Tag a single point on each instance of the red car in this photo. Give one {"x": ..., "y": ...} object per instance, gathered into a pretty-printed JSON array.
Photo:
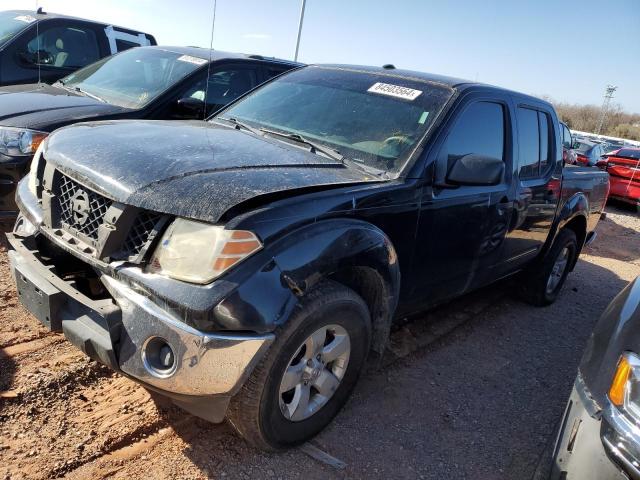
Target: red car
[{"x": 623, "y": 166}]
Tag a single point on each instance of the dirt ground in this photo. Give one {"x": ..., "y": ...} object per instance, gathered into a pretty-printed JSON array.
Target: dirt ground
[{"x": 473, "y": 389}]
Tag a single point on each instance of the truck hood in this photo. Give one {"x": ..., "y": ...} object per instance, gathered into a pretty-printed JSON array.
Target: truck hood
[
  {"x": 190, "y": 169},
  {"x": 43, "y": 107}
]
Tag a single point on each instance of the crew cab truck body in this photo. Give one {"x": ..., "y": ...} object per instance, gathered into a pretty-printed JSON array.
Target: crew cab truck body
[
  {"x": 44, "y": 47},
  {"x": 246, "y": 267}
]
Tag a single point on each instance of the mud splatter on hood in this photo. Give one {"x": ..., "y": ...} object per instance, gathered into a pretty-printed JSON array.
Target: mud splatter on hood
[{"x": 192, "y": 169}]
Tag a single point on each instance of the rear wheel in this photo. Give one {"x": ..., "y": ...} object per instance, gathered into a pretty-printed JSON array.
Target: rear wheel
[
  {"x": 544, "y": 280},
  {"x": 308, "y": 373}
]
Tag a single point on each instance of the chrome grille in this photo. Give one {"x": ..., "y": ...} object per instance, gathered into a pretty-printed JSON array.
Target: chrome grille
[
  {"x": 80, "y": 212},
  {"x": 69, "y": 194}
]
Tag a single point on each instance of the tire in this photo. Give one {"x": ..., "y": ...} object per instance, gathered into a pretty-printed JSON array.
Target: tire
[
  {"x": 259, "y": 411},
  {"x": 537, "y": 288}
]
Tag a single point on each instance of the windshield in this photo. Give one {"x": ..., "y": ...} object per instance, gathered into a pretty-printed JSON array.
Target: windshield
[
  {"x": 135, "y": 77},
  {"x": 369, "y": 118},
  {"x": 12, "y": 23}
]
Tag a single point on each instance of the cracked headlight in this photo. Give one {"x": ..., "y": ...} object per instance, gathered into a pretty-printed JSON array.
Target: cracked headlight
[
  {"x": 199, "y": 252},
  {"x": 20, "y": 141}
]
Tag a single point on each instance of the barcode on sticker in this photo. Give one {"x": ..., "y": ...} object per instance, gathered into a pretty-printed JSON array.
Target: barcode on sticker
[
  {"x": 194, "y": 60},
  {"x": 394, "y": 91}
]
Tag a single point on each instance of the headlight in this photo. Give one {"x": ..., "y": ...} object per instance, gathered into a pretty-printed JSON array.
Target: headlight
[
  {"x": 33, "y": 171},
  {"x": 199, "y": 252},
  {"x": 20, "y": 141},
  {"x": 625, "y": 387}
]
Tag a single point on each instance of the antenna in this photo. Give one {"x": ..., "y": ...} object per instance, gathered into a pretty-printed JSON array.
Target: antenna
[
  {"x": 608, "y": 95},
  {"x": 206, "y": 85},
  {"x": 304, "y": 4},
  {"x": 38, "y": 37}
]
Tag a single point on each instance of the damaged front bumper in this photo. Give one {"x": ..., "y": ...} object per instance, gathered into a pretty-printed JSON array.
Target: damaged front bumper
[{"x": 128, "y": 332}]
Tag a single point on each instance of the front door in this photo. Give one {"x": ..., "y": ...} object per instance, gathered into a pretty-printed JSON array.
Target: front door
[{"x": 461, "y": 229}]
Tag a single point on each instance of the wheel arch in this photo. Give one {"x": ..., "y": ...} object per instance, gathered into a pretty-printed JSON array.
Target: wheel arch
[
  {"x": 573, "y": 216},
  {"x": 353, "y": 253}
]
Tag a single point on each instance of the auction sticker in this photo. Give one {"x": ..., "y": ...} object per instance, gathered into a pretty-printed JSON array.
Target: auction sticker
[
  {"x": 25, "y": 18},
  {"x": 394, "y": 91},
  {"x": 194, "y": 60}
]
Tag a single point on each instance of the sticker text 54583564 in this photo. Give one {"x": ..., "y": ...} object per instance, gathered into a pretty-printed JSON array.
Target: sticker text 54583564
[{"x": 394, "y": 91}]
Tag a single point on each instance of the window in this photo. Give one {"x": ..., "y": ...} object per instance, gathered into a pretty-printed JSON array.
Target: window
[
  {"x": 479, "y": 130},
  {"x": 533, "y": 142},
  {"x": 225, "y": 85},
  {"x": 274, "y": 71},
  {"x": 134, "y": 78},
  {"x": 341, "y": 110},
  {"x": 12, "y": 23},
  {"x": 633, "y": 154},
  {"x": 566, "y": 137},
  {"x": 543, "y": 125},
  {"x": 70, "y": 47},
  {"x": 123, "y": 45}
]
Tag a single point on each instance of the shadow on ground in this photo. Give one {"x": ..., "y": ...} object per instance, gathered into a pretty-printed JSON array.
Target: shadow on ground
[{"x": 472, "y": 389}]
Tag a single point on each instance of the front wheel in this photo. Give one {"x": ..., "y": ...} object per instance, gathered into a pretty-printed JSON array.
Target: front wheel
[
  {"x": 308, "y": 373},
  {"x": 542, "y": 282}
]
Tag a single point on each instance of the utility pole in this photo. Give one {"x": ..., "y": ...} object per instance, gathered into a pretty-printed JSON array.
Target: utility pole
[
  {"x": 608, "y": 95},
  {"x": 304, "y": 4}
]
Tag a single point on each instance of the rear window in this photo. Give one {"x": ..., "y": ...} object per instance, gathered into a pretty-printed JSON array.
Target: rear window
[{"x": 629, "y": 153}]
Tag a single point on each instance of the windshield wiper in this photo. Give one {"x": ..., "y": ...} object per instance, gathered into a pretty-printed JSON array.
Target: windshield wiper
[
  {"x": 95, "y": 97},
  {"x": 238, "y": 125},
  {"x": 314, "y": 146},
  {"x": 367, "y": 168}
]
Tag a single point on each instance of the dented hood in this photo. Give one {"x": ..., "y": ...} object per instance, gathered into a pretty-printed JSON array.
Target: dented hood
[{"x": 191, "y": 169}]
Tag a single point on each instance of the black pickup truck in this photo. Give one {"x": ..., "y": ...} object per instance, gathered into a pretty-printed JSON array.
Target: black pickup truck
[{"x": 247, "y": 266}]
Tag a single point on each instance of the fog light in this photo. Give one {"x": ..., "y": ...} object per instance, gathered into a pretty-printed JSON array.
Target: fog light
[
  {"x": 23, "y": 227},
  {"x": 158, "y": 357}
]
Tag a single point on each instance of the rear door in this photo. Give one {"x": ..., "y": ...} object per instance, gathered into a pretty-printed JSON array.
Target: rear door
[{"x": 537, "y": 180}]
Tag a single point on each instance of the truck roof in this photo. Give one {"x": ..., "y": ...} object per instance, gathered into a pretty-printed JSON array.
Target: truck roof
[
  {"x": 453, "y": 82},
  {"x": 217, "y": 55},
  {"x": 50, "y": 15}
]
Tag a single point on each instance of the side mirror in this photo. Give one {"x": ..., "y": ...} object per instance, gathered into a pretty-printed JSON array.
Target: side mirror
[
  {"x": 189, "y": 107},
  {"x": 475, "y": 169}
]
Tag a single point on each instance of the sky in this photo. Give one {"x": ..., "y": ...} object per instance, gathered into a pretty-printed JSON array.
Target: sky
[{"x": 569, "y": 50}]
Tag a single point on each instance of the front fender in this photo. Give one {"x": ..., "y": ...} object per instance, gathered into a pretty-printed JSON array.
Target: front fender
[
  {"x": 303, "y": 258},
  {"x": 314, "y": 252}
]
